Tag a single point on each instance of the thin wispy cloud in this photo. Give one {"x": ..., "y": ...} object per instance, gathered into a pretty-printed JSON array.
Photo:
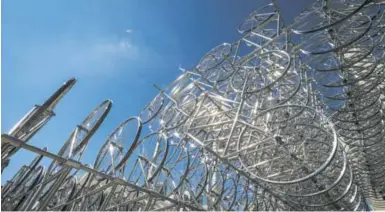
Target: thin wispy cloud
[{"x": 92, "y": 56}]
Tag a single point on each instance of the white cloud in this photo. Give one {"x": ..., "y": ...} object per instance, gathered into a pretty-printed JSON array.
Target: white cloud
[
  {"x": 129, "y": 30},
  {"x": 49, "y": 59},
  {"x": 63, "y": 57},
  {"x": 110, "y": 50}
]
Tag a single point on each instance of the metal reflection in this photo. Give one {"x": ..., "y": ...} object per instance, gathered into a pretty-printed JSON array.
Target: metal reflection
[{"x": 288, "y": 117}]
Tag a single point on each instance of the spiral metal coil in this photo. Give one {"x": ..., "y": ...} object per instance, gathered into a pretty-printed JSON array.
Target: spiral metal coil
[{"x": 285, "y": 118}]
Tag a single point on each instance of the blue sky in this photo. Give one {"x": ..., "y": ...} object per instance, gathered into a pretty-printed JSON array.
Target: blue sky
[{"x": 116, "y": 49}]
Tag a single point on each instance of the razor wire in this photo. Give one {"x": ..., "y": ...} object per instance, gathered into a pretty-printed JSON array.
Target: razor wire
[{"x": 286, "y": 118}]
